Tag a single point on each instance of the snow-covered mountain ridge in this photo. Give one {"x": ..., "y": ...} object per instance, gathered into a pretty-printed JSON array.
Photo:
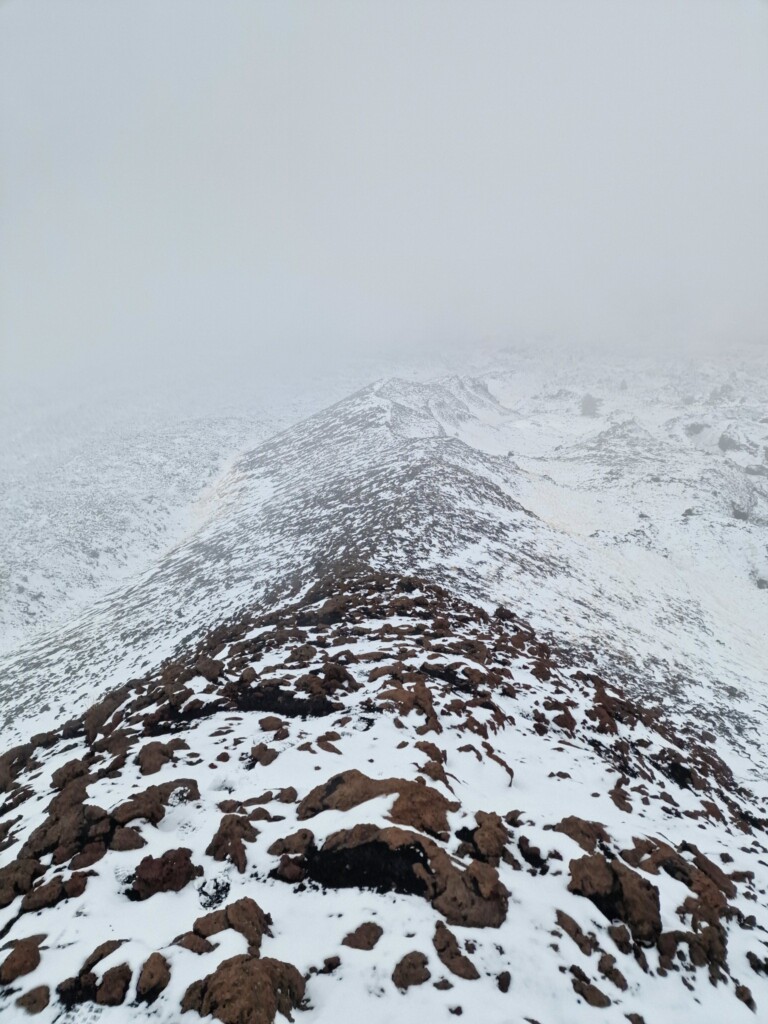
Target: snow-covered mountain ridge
[
  {"x": 637, "y": 535},
  {"x": 380, "y": 801}
]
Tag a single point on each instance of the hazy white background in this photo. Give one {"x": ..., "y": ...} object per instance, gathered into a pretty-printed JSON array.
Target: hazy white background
[{"x": 188, "y": 181}]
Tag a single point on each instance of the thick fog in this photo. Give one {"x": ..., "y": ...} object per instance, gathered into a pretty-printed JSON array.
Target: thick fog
[{"x": 188, "y": 181}]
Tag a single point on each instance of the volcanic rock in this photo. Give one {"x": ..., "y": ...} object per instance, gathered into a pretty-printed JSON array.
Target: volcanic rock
[{"x": 167, "y": 873}]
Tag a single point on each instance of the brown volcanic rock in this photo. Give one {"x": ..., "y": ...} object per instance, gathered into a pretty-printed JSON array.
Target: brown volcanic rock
[
  {"x": 395, "y": 859},
  {"x": 447, "y": 947},
  {"x": 36, "y": 1000},
  {"x": 81, "y": 989},
  {"x": 411, "y": 970},
  {"x": 590, "y": 993},
  {"x": 620, "y": 894},
  {"x": 295, "y": 844},
  {"x": 271, "y": 723},
  {"x": 209, "y": 668},
  {"x": 168, "y": 873},
  {"x": 23, "y": 959},
  {"x": 247, "y": 917},
  {"x": 153, "y": 978},
  {"x": 489, "y": 840},
  {"x": 244, "y": 916},
  {"x": 53, "y": 892},
  {"x": 68, "y": 826},
  {"x": 365, "y": 936},
  {"x": 263, "y": 755},
  {"x": 152, "y": 802},
  {"x": 211, "y": 924},
  {"x": 18, "y": 878},
  {"x": 588, "y": 834},
  {"x": 417, "y": 806},
  {"x": 100, "y": 953},
  {"x": 114, "y": 986},
  {"x": 126, "y": 839},
  {"x": 154, "y": 755},
  {"x": 68, "y": 773},
  {"x": 246, "y": 990},
  {"x": 587, "y": 943},
  {"x": 229, "y": 841}
]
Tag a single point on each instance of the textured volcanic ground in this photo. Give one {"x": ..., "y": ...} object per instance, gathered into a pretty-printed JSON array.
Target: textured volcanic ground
[{"x": 383, "y": 801}]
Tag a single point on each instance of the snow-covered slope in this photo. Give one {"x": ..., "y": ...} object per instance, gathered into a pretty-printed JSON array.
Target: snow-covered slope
[
  {"x": 100, "y": 474},
  {"x": 444, "y": 810},
  {"x": 637, "y": 535},
  {"x": 380, "y": 802}
]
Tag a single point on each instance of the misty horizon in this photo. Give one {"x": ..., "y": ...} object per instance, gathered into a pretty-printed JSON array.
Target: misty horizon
[{"x": 267, "y": 183}]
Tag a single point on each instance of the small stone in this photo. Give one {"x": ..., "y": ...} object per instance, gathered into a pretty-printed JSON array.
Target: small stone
[
  {"x": 365, "y": 936},
  {"x": 412, "y": 970}
]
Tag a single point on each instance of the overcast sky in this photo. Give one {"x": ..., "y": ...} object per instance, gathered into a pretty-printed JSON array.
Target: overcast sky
[{"x": 187, "y": 178}]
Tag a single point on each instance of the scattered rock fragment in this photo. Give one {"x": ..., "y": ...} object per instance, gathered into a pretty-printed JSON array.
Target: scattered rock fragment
[
  {"x": 365, "y": 936},
  {"x": 411, "y": 970},
  {"x": 448, "y": 951}
]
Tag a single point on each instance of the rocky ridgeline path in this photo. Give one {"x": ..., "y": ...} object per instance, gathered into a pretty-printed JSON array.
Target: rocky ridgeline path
[{"x": 379, "y": 801}]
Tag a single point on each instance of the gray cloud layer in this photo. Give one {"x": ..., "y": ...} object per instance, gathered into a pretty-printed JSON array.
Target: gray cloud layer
[{"x": 187, "y": 177}]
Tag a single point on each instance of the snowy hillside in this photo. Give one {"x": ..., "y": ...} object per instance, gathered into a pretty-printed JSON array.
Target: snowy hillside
[
  {"x": 375, "y": 788},
  {"x": 383, "y": 802},
  {"x": 637, "y": 535}
]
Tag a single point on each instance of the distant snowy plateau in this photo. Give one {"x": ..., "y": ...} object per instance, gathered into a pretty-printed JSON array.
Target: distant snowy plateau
[{"x": 463, "y": 680}]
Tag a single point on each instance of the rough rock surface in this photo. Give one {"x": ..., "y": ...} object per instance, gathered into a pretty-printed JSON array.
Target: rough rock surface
[
  {"x": 246, "y": 990},
  {"x": 167, "y": 873}
]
